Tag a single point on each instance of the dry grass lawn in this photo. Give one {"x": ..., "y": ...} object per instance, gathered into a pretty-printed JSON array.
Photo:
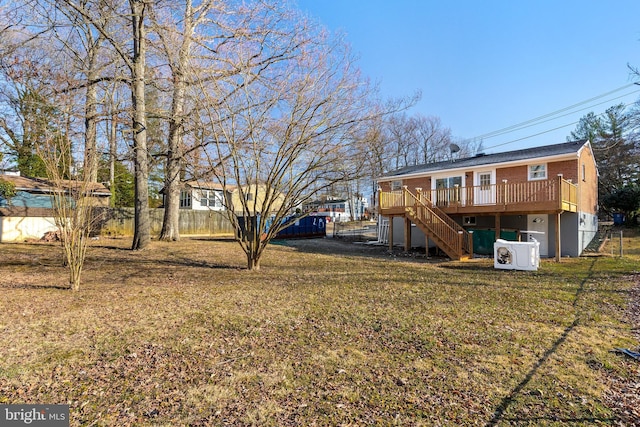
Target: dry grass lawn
[{"x": 327, "y": 333}]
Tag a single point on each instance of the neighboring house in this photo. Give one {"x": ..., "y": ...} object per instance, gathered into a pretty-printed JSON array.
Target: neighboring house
[
  {"x": 255, "y": 197},
  {"x": 549, "y": 193},
  {"x": 199, "y": 195},
  {"x": 338, "y": 210},
  {"x": 29, "y": 214}
]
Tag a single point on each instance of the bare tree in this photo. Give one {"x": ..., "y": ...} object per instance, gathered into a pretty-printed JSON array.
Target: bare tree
[
  {"x": 133, "y": 52},
  {"x": 71, "y": 196},
  {"x": 72, "y": 202},
  {"x": 81, "y": 45},
  {"x": 279, "y": 133},
  {"x": 176, "y": 29},
  {"x": 432, "y": 138},
  {"x": 401, "y": 132},
  {"x": 26, "y": 113}
]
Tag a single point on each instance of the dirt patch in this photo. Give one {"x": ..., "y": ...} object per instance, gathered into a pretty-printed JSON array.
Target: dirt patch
[{"x": 349, "y": 246}]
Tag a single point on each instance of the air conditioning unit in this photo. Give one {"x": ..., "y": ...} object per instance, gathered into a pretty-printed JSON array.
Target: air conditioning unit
[{"x": 508, "y": 255}]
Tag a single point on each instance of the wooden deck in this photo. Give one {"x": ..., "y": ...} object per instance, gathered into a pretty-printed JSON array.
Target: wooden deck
[{"x": 544, "y": 196}]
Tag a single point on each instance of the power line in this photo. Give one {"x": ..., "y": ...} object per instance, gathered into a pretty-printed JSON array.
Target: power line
[
  {"x": 551, "y": 130},
  {"x": 517, "y": 126},
  {"x": 558, "y": 117}
]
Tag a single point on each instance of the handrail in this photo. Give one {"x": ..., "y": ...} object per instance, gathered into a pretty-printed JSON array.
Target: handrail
[
  {"x": 440, "y": 224},
  {"x": 556, "y": 192},
  {"x": 568, "y": 195}
]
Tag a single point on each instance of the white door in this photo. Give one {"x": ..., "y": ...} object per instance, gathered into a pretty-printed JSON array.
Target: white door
[
  {"x": 539, "y": 224},
  {"x": 485, "y": 188}
]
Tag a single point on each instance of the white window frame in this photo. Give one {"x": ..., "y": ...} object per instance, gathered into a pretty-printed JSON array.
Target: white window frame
[
  {"x": 185, "y": 199},
  {"x": 484, "y": 193},
  {"x": 537, "y": 174},
  {"x": 456, "y": 192},
  {"x": 210, "y": 198},
  {"x": 396, "y": 185},
  {"x": 485, "y": 185}
]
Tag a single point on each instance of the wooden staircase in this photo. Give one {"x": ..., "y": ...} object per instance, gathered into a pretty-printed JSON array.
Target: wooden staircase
[{"x": 447, "y": 234}]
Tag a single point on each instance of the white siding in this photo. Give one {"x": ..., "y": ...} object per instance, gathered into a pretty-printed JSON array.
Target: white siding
[{"x": 17, "y": 229}]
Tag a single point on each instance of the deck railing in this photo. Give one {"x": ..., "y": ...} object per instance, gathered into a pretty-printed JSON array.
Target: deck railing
[
  {"x": 438, "y": 223},
  {"x": 548, "y": 194}
]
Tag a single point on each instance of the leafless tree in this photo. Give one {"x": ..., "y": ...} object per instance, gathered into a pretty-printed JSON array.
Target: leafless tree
[
  {"x": 132, "y": 51},
  {"x": 432, "y": 138},
  {"x": 279, "y": 131},
  {"x": 81, "y": 43},
  {"x": 72, "y": 201},
  {"x": 176, "y": 28}
]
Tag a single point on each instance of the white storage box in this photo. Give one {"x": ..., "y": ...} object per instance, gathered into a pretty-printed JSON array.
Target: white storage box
[{"x": 509, "y": 255}]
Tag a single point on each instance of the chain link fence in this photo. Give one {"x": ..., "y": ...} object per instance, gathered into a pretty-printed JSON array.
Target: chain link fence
[{"x": 359, "y": 231}]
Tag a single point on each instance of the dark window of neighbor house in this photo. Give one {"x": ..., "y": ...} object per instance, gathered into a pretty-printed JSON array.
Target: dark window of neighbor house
[
  {"x": 185, "y": 199},
  {"x": 584, "y": 172},
  {"x": 537, "y": 172}
]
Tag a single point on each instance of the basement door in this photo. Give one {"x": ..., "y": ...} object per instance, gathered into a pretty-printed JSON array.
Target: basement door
[{"x": 539, "y": 224}]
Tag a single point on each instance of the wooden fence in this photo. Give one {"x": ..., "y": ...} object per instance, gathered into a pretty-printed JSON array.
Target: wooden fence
[{"x": 119, "y": 222}]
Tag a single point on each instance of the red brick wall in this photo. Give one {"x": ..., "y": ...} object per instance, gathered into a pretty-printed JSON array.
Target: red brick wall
[
  {"x": 568, "y": 169},
  {"x": 512, "y": 174},
  {"x": 413, "y": 183}
]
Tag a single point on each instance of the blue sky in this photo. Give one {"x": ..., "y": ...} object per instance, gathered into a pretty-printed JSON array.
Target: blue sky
[{"x": 483, "y": 66}]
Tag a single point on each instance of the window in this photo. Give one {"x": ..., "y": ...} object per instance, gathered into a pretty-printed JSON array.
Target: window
[
  {"x": 248, "y": 197},
  {"x": 468, "y": 220},
  {"x": 537, "y": 172},
  {"x": 448, "y": 190},
  {"x": 185, "y": 199},
  {"x": 584, "y": 172},
  {"x": 210, "y": 198},
  {"x": 485, "y": 180},
  {"x": 396, "y": 185}
]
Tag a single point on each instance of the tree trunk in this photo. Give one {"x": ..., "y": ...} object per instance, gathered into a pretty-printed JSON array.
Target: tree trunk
[
  {"x": 253, "y": 261},
  {"x": 170, "y": 222},
  {"x": 91, "y": 117},
  {"x": 142, "y": 232},
  {"x": 113, "y": 147}
]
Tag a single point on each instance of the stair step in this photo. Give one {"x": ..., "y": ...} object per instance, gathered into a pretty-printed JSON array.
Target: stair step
[{"x": 444, "y": 245}]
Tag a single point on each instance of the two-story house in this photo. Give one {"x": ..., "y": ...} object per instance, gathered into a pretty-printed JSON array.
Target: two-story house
[{"x": 547, "y": 193}]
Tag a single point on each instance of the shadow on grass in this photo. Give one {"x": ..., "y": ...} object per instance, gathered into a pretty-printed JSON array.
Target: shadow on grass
[
  {"x": 498, "y": 415},
  {"x": 212, "y": 238},
  {"x": 187, "y": 262},
  {"x": 30, "y": 286},
  {"x": 174, "y": 262}
]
